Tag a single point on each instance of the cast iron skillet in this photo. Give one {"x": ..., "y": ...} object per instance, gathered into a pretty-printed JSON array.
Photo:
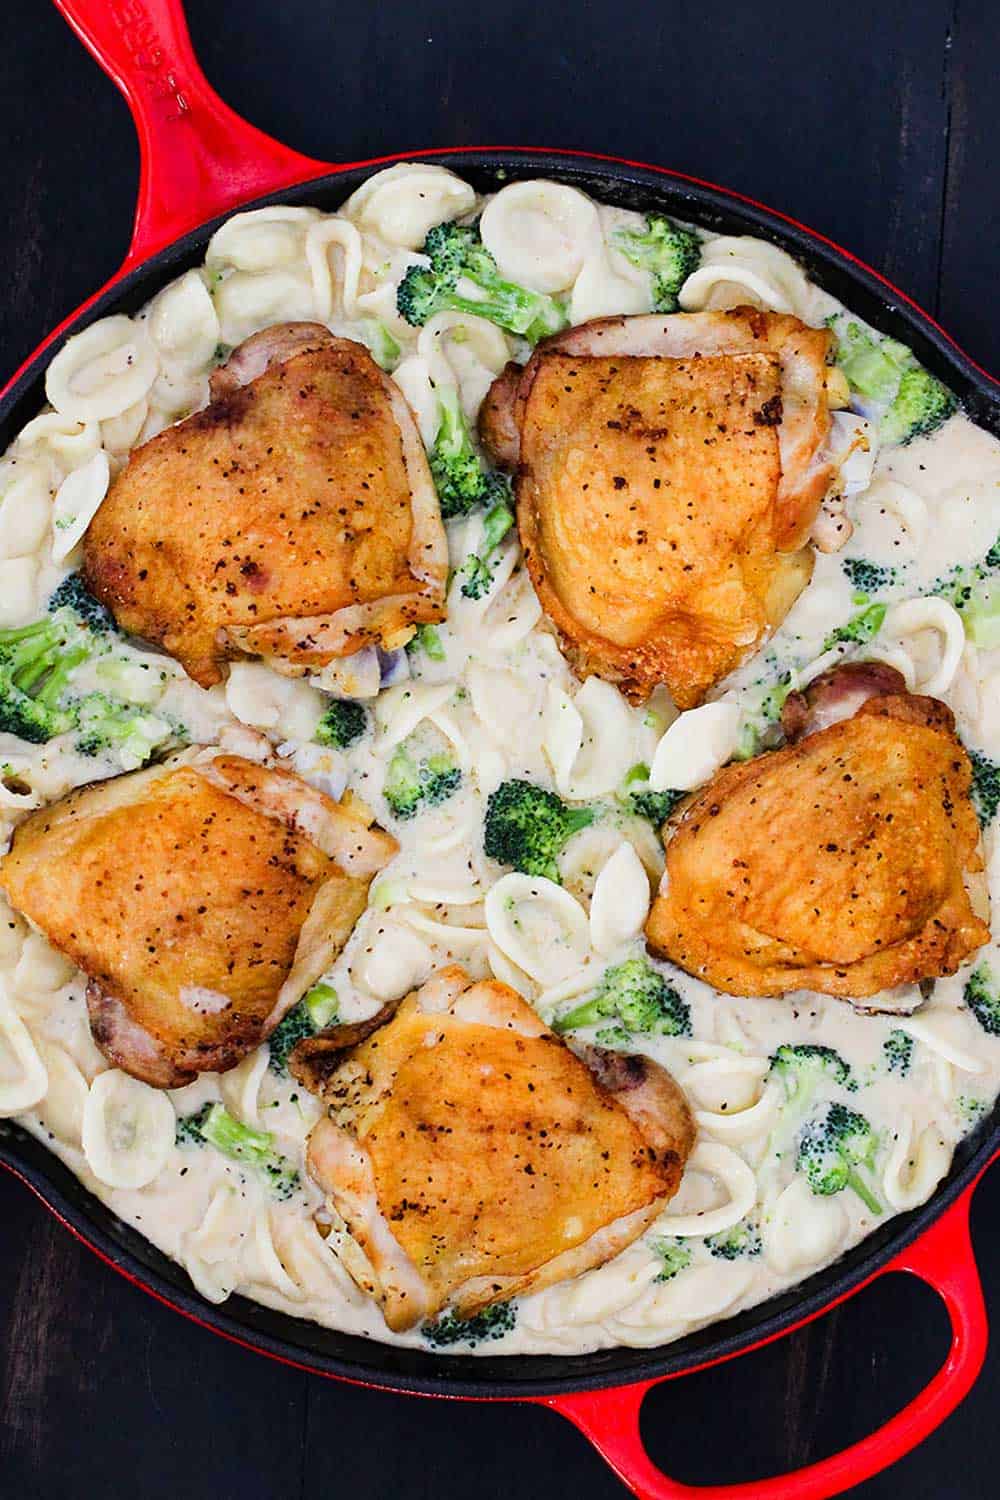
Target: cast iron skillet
[{"x": 200, "y": 161}]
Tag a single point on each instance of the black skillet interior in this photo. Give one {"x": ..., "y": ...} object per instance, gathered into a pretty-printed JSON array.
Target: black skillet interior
[{"x": 360, "y": 1359}]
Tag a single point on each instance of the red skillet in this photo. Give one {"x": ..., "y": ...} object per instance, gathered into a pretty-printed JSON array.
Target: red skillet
[{"x": 199, "y": 162}]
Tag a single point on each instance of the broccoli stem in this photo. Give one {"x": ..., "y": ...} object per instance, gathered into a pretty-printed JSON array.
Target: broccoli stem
[{"x": 864, "y": 1192}]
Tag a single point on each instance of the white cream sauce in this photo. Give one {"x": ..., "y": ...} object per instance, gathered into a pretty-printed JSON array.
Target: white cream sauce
[{"x": 505, "y": 704}]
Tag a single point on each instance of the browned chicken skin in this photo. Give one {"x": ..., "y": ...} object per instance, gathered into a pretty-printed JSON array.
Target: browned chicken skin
[
  {"x": 472, "y": 1156},
  {"x": 668, "y": 474},
  {"x": 201, "y": 898},
  {"x": 293, "y": 518},
  {"x": 837, "y": 864}
]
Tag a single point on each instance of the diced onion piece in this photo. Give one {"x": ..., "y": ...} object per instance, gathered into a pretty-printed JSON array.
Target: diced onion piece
[
  {"x": 128, "y": 1130},
  {"x": 695, "y": 746},
  {"x": 539, "y": 233},
  {"x": 538, "y": 926},
  {"x": 103, "y": 371},
  {"x": 620, "y": 903},
  {"x": 23, "y": 1077},
  {"x": 78, "y": 499}
]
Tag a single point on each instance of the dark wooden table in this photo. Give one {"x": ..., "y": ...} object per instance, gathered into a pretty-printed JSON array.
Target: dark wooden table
[{"x": 876, "y": 124}]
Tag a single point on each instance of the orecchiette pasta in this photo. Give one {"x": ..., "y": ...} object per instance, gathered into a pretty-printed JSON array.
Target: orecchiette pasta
[
  {"x": 23, "y": 1078},
  {"x": 334, "y": 294},
  {"x": 930, "y": 632},
  {"x": 620, "y": 903},
  {"x": 76, "y": 504},
  {"x": 402, "y": 203},
  {"x": 736, "y": 269},
  {"x": 917, "y": 1162},
  {"x": 695, "y": 746},
  {"x": 540, "y": 233},
  {"x": 538, "y": 926},
  {"x": 803, "y": 1229},
  {"x": 128, "y": 1130},
  {"x": 731, "y": 1172},
  {"x": 103, "y": 371}
]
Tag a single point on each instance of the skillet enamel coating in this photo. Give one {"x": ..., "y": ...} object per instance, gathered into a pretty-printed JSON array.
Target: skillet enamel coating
[{"x": 200, "y": 161}]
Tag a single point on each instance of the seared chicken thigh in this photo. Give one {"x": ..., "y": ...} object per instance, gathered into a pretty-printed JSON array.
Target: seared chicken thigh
[
  {"x": 472, "y": 1156},
  {"x": 839, "y": 863},
  {"x": 669, "y": 471},
  {"x": 294, "y": 518},
  {"x": 201, "y": 897}
]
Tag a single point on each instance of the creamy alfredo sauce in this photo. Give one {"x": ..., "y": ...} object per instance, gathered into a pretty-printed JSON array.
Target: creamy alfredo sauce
[{"x": 501, "y": 703}]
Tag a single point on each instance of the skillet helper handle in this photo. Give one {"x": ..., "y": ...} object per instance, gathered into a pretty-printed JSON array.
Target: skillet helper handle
[
  {"x": 944, "y": 1259},
  {"x": 198, "y": 158}
]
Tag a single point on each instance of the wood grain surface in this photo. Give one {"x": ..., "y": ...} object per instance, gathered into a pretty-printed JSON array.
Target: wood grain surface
[{"x": 875, "y": 123}]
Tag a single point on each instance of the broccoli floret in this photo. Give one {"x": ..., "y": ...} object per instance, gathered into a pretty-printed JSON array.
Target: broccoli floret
[
  {"x": 982, "y": 996},
  {"x": 457, "y": 254},
  {"x": 187, "y": 1130},
  {"x": 107, "y": 726},
  {"x": 635, "y": 795},
  {"x": 872, "y": 365},
  {"x": 634, "y": 994},
  {"x": 802, "y": 1066},
  {"x": 985, "y": 786},
  {"x": 73, "y": 594},
  {"x": 526, "y": 827},
  {"x": 974, "y": 590},
  {"x": 314, "y": 1011},
  {"x": 477, "y": 570},
  {"x": 897, "y": 1052},
  {"x": 380, "y": 344},
  {"x": 860, "y": 629},
  {"x": 413, "y": 782},
  {"x": 342, "y": 723},
  {"x": 461, "y": 479},
  {"x": 667, "y": 251},
  {"x": 492, "y": 1323},
  {"x": 832, "y": 1150},
  {"x": 921, "y": 404},
  {"x": 253, "y": 1148},
  {"x": 971, "y": 1109},
  {"x": 36, "y": 663},
  {"x": 742, "y": 1242},
  {"x": 428, "y": 640},
  {"x": 868, "y": 577},
  {"x": 674, "y": 1254}
]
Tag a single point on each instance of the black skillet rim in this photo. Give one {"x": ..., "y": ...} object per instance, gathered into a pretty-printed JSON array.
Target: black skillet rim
[{"x": 366, "y": 1361}]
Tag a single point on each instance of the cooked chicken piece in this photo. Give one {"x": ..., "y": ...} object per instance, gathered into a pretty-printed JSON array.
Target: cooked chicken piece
[
  {"x": 471, "y": 1156},
  {"x": 294, "y": 518},
  {"x": 668, "y": 473},
  {"x": 843, "y": 863},
  {"x": 201, "y": 897}
]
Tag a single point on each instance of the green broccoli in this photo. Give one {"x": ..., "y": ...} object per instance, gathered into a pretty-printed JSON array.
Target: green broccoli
[
  {"x": 74, "y": 594},
  {"x": 343, "y": 723},
  {"x": 428, "y": 640},
  {"x": 972, "y": 1109},
  {"x": 477, "y": 570},
  {"x": 921, "y": 404},
  {"x": 458, "y": 256},
  {"x": 461, "y": 479},
  {"x": 252, "y": 1148},
  {"x": 897, "y": 1052},
  {"x": 974, "y": 590},
  {"x": 860, "y": 629},
  {"x": 982, "y": 997},
  {"x": 636, "y": 796},
  {"x": 131, "y": 733},
  {"x": 666, "y": 250},
  {"x": 526, "y": 827},
  {"x": 414, "y": 781},
  {"x": 380, "y": 343},
  {"x": 636, "y": 996},
  {"x": 802, "y": 1068},
  {"x": 492, "y": 1323},
  {"x": 833, "y": 1148},
  {"x": 873, "y": 365},
  {"x": 316, "y": 1010},
  {"x": 868, "y": 577},
  {"x": 674, "y": 1254},
  {"x": 985, "y": 786},
  {"x": 914, "y": 403},
  {"x": 742, "y": 1242}
]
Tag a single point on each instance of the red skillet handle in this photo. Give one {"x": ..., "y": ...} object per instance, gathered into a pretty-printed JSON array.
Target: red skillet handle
[
  {"x": 942, "y": 1257},
  {"x": 197, "y": 156}
]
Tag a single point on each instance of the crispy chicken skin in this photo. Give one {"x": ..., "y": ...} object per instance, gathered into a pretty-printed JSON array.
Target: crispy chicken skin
[
  {"x": 293, "y": 518},
  {"x": 471, "y": 1156},
  {"x": 836, "y": 864},
  {"x": 201, "y": 899},
  {"x": 668, "y": 474}
]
